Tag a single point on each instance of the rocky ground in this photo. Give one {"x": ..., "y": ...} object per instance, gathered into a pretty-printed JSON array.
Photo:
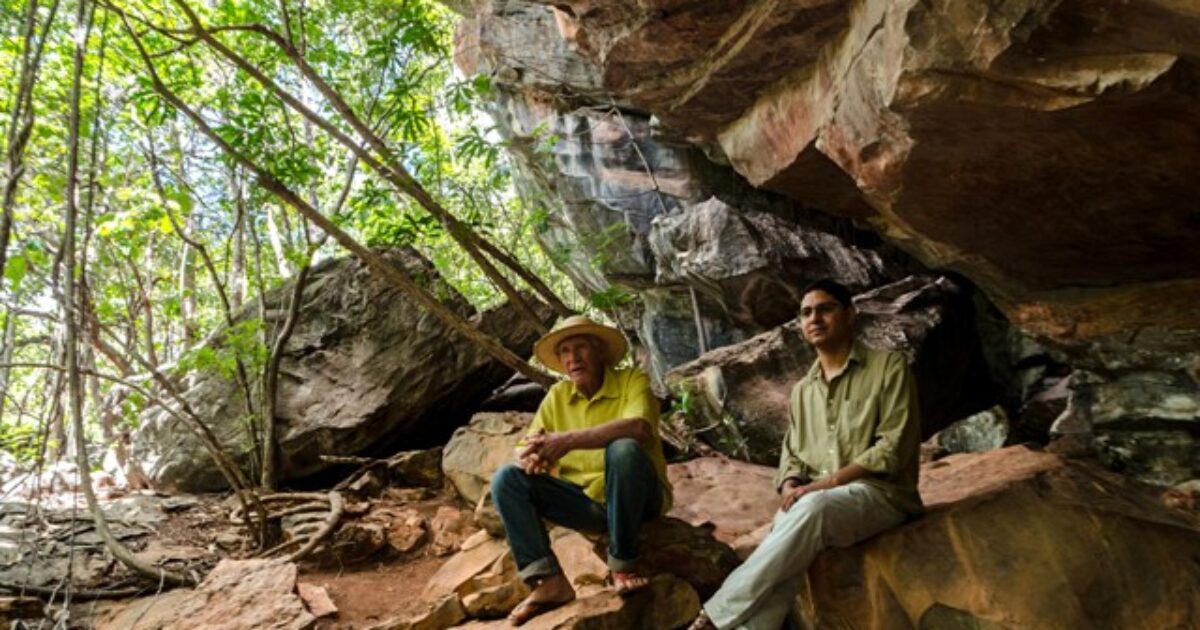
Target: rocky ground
[{"x": 1009, "y": 538}]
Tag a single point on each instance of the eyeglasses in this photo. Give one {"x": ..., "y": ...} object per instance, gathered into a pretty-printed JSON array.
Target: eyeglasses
[{"x": 824, "y": 308}]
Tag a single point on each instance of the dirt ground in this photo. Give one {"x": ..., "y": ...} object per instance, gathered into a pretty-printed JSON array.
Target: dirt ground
[{"x": 369, "y": 594}]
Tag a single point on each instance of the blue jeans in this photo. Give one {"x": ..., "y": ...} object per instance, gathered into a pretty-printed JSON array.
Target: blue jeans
[{"x": 633, "y": 494}]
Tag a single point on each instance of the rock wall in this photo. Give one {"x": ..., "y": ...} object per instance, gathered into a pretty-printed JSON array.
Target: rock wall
[
  {"x": 641, "y": 219},
  {"x": 697, "y": 161}
]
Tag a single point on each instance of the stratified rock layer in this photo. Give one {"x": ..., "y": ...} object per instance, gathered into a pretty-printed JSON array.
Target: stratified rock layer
[
  {"x": 642, "y": 221},
  {"x": 1044, "y": 149},
  {"x": 974, "y": 134},
  {"x": 364, "y": 366},
  {"x": 1017, "y": 539}
]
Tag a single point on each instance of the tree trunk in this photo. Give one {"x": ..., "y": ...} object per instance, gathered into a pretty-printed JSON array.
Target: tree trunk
[
  {"x": 7, "y": 337},
  {"x": 237, "y": 272},
  {"x": 20, "y": 125},
  {"x": 277, "y": 244},
  {"x": 271, "y": 379},
  {"x": 70, "y": 317}
]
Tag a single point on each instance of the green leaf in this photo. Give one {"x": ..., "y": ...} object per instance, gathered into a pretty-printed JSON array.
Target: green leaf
[{"x": 14, "y": 271}]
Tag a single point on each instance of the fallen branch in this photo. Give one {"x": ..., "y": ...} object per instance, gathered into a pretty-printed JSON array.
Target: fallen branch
[
  {"x": 42, "y": 591},
  {"x": 351, "y": 459}
]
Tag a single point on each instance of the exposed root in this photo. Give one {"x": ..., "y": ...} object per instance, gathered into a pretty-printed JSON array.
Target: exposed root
[{"x": 336, "y": 506}]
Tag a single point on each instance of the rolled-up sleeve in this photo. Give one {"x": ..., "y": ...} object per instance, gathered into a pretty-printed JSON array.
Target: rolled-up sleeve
[
  {"x": 898, "y": 430},
  {"x": 790, "y": 464}
]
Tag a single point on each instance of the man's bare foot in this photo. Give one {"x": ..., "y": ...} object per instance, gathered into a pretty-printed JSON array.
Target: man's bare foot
[{"x": 547, "y": 594}]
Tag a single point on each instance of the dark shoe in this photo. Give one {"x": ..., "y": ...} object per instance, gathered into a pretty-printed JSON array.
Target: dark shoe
[{"x": 702, "y": 622}]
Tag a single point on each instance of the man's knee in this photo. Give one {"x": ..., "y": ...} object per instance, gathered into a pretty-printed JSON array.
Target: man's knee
[
  {"x": 623, "y": 453},
  {"x": 810, "y": 512},
  {"x": 507, "y": 479}
]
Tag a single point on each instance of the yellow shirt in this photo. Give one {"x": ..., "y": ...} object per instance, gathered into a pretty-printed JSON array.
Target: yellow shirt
[
  {"x": 625, "y": 394},
  {"x": 866, "y": 415}
]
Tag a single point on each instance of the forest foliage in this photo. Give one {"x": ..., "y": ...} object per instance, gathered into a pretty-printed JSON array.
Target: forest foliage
[{"x": 191, "y": 117}]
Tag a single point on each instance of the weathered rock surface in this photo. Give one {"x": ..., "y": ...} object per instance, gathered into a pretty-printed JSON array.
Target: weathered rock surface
[
  {"x": 1015, "y": 538},
  {"x": 444, "y": 613},
  {"x": 671, "y": 546},
  {"x": 354, "y": 377},
  {"x": 316, "y": 599},
  {"x": 666, "y": 604},
  {"x": 41, "y": 544},
  {"x": 635, "y": 213},
  {"x": 983, "y": 431},
  {"x": 449, "y": 528},
  {"x": 732, "y": 498},
  {"x": 416, "y": 468},
  {"x": 821, "y": 100},
  {"x": 477, "y": 450},
  {"x": 990, "y": 139},
  {"x": 930, "y": 321},
  {"x": 236, "y": 594}
]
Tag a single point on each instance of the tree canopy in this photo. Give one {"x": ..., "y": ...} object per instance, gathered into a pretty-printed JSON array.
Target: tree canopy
[{"x": 215, "y": 146}]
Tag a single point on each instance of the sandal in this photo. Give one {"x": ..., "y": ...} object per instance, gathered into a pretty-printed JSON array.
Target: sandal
[{"x": 626, "y": 582}]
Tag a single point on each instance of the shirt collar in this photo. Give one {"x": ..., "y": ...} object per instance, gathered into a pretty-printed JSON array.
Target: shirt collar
[
  {"x": 607, "y": 390},
  {"x": 857, "y": 357}
]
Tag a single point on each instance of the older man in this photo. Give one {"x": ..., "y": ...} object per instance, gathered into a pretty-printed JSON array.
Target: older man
[
  {"x": 848, "y": 468},
  {"x": 592, "y": 461}
]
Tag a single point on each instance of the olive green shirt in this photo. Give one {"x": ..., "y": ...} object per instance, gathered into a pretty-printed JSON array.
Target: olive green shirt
[
  {"x": 625, "y": 394},
  {"x": 867, "y": 415}
]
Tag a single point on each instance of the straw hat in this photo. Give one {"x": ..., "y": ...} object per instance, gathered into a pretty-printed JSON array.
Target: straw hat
[{"x": 546, "y": 348}]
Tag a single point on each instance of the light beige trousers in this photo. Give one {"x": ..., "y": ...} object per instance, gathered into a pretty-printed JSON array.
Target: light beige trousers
[{"x": 759, "y": 593}]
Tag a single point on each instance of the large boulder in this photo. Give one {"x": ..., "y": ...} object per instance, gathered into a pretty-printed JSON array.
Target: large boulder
[
  {"x": 476, "y": 451},
  {"x": 362, "y": 371},
  {"x": 1016, "y": 538},
  {"x": 730, "y": 497},
  {"x": 1137, "y": 401},
  {"x": 739, "y": 394}
]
